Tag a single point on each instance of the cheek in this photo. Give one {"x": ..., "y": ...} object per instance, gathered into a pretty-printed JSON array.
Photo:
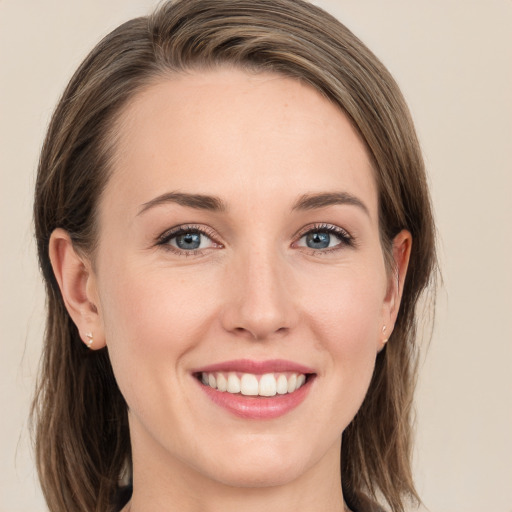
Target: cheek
[
  {"x": 151, "y": 320},
  {"x": 347, "y": 309},
  {"x": 346, "y": 318},
  {"x": 148, "y": 305}
]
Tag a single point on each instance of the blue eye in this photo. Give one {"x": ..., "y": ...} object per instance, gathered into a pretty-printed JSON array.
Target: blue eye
[
  {"x": 318, "y": 240},
  {"x": 186, "y": 239},
  {"x": 191, "y": 240},
  {"x": 325, "y": 237}
]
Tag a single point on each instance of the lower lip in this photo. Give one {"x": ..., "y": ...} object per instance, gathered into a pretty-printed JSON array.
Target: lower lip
[{"x": 256, "y": 407}]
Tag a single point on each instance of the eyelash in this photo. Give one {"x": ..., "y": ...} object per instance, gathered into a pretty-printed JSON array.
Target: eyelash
[
  {"x": 167, "y": 236},
  {"x": 346, "y": 240}
]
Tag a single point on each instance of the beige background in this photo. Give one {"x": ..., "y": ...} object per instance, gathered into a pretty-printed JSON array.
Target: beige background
[{"x": 453, "y": 60}]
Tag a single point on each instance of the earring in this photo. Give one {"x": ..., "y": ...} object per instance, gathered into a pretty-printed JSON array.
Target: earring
[
  {"x": 89, "y": 339},
  {"x": 383, "y": 331}
]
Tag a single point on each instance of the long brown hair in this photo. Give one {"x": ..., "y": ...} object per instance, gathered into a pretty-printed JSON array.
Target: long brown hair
[{"x": 80, "y": 417}]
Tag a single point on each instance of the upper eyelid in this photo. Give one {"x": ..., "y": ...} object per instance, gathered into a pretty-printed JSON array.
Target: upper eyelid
[
  {"x": 346, "y": 239},
  {"x": 322, "y": 226},
  {"x": 204, "y": 230},
  {"x": 164, "y": 240}
]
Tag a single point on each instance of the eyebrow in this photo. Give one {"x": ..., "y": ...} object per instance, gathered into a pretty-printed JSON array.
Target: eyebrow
[
  {"x": 197, "y": 201},
  {"x": 215, "y": 204},
  {"x": 324, "y": 199}
]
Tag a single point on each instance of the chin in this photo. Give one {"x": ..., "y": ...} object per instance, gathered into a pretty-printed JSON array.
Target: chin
[
  {"x": 269, "y": 474},
  {"x": 259, "y": 465}
]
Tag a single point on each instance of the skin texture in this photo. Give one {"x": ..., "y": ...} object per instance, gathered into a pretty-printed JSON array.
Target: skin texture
[{"x": 253, "y": 290}]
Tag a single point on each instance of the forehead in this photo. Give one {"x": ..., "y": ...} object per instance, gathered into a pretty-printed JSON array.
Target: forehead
[{"x": 226, "y": 131}]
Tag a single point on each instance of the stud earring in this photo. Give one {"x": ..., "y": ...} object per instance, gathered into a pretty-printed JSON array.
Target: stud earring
[
  {"x": 383, "y": 331},
  {"x": 89, "y": 339}
]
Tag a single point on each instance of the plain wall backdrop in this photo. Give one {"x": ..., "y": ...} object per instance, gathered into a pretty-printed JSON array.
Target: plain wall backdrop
[{"x": 453, "y": 60}]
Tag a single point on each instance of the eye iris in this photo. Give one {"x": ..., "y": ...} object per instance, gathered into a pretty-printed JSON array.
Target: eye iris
[
  {"x": 188, "y": 241},
  {"x": 318, "y": 240}
]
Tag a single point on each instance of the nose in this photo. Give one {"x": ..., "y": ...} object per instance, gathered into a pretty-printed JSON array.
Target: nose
[{"x": 259, "y": 296}]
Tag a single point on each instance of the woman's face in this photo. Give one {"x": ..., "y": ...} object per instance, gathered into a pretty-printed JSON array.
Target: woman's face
[{"x": 238, "y": 236}]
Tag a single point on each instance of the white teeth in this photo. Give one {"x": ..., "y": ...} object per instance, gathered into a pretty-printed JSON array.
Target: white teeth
[
  {"x": 249, "y": 384},
  {"x": 292, "y": 382},
  {"x": 233, "y": 383},
  {"x": 282, "y": 385},
  {"x": 268, "y": 385},
  {"x": 222, "y": 383}
]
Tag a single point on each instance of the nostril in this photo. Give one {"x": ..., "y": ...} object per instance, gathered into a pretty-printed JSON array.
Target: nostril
[{"x": 259, "y": 332}]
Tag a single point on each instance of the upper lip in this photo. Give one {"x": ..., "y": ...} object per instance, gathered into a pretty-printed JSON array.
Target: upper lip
[{"x": 255, "y": 367}]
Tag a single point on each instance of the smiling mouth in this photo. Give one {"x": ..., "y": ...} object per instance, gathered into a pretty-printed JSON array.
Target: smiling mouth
[
  {"x": 255, "y": 385},
  {"x": 256, "y": 390}
]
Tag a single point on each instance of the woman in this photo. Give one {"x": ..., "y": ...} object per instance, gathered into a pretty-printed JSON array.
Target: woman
[{"x": 234, "y": 227}]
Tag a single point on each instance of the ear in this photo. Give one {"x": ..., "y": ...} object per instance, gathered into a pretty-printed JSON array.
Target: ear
[
  {"x": 77, "y": 284},
  {"x": 401, "y": 250}
]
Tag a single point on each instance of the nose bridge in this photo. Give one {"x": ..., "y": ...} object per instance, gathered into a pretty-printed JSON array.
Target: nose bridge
[{"x": 260, "y": 299}]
